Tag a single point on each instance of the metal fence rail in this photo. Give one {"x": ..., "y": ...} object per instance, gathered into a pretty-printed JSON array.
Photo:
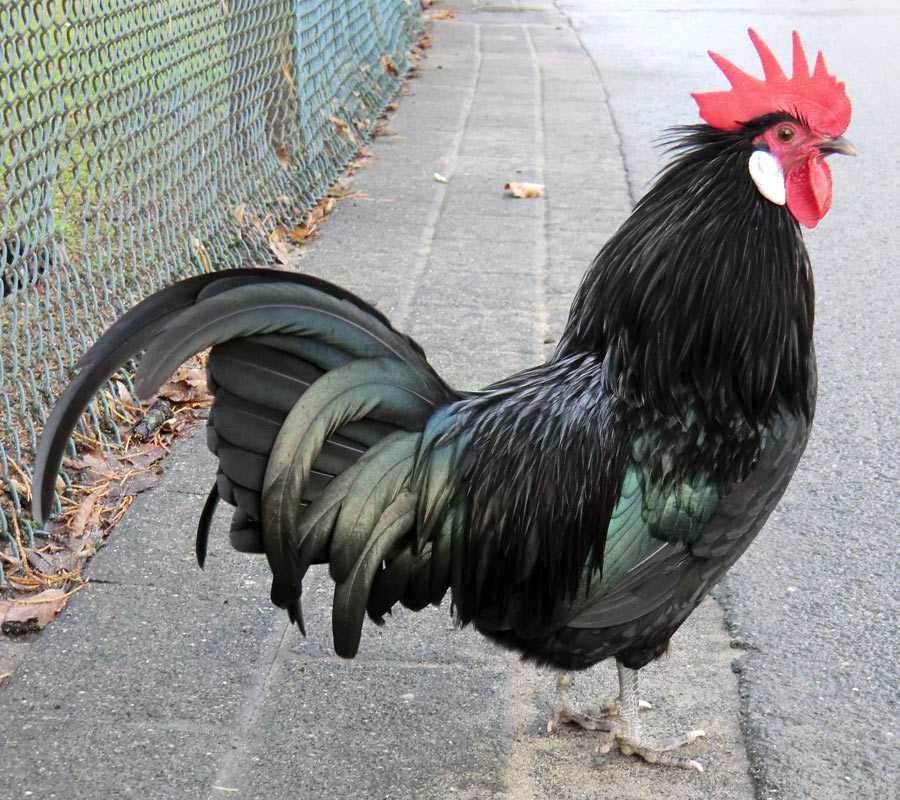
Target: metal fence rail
[{"x": 145, "y": 140}]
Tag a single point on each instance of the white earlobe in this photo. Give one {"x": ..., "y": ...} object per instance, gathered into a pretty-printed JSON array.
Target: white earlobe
[{"x": 767, "y": 176}]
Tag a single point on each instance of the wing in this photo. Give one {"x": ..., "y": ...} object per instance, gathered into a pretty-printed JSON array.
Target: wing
[{"x": 683, "y": 544}]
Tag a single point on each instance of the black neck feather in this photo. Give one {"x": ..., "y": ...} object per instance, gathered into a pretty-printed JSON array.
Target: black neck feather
[{"x": 704, "y": 293}]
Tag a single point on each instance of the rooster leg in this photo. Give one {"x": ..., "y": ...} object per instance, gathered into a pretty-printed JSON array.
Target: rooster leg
[
  {"x": 626, "y": 729},
  {"x": 618, "y": 721},
  {"x": 588, "y": 716}
]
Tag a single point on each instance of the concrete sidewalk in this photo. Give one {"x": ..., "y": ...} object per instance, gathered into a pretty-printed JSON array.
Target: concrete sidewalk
[{"x": 161, "y": 680}]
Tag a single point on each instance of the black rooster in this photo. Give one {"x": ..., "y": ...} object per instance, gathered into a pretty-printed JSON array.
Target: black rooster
[{"x": 579, "y": 510}]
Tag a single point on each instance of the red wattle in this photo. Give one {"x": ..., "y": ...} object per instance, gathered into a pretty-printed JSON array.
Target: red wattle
[{"x": 808, "y": 190}]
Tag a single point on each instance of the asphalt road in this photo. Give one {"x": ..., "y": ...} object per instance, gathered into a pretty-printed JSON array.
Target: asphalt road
[{"x": 816, "y": 600}]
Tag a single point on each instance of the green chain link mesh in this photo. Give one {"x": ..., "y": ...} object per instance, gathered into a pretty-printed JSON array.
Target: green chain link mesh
[{"x": 145, "y": 140}]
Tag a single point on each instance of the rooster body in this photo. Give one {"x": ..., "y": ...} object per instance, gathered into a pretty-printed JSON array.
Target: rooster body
[{"x": 576, "y": 511}]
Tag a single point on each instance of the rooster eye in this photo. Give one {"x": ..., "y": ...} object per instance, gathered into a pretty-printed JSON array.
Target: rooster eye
[{"x": 784, "y": 134}]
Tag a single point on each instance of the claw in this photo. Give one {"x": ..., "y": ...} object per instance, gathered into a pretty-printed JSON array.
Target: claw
[{"x": 618, "y": 721}]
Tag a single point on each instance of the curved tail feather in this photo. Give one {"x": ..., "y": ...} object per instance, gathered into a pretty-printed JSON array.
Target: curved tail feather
[{"x": 329, "y": 427}]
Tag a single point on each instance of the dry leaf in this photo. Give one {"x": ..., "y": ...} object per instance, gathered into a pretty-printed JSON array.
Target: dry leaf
[
  {"x": 279, "y": 248},
  {"x": 86, "y": 549},
  {"x": 122, "y": 393},
  {"x": 284, "y": 158},
  {"x": 38, "y": 562},
  {"x": 141, "y": 481},
  {"x": 182, "y": 390},
  {"x": 29, "y": 616},
  {"x": 308, "y": 227},
  {"x": 296, "y": 235},
  {"x": 344, "y": 128},
  {"x": 85, "y": 510},
  {"x": 284, "y": 49},
  {"x": 201, "y": 251},
  {"x": 238, "y": 212},
  {"x": 389, "y": 67},
  {"x": 100, "y": 465},
  {"x": 196, "y": 376},
  {"x": 443, "y": 13},
  {"x": 315, "y": 216},
  {"x": 144, "y": 457},
  {"x": 525, "y": 189}
]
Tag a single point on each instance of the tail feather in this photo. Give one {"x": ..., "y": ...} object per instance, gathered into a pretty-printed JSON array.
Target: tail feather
[
  {"x": 417, "y": 594},
  {"x": 261, "y": 374},
  {"x": 242, "y": 467},
  {"x": 127, "y": 337},
  {"x": 442, "y": 552},
  {"x": 247, "y": 500},
  {"x": 390, "y": 583},
  {"x": 313, "y": 535},
  {"x": 243, "y": 423},
  {"x": 202, "y": 540},
  {"x": 378, "y": 481},
  {"x": 260, "y": 309},
  {"x": 245, "y": 534},
  {"x": 385, "y": 389},
  {"x": 331, "y": 430},
  {"x": 351, "y": 596}
]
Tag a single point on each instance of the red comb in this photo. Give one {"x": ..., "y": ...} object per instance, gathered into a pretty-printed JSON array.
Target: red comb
[{"x": 819, "y": 98}]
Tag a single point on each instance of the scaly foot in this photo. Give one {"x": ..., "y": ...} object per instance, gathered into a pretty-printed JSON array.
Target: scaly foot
[
  {"x": 586, "y": 715},
  {"x": 617, "y": 722}
]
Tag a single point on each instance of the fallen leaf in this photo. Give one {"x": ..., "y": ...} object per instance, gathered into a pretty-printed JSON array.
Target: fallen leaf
[
  {"x": 525, "y": 189},
  {"x": 343, "y": 128},
  {"x": 145, "y": 456},
  {"x": 196, "y": 376},
  {"x": 389, "y": 67},
  {"x": 87, "y": 548},
  {"x": 443, "y": 13},
  {"x": 297, "y": 234},
  {"x": 238, "y": 212},
  {"x": 140, "y": 482},
  {"x": 284, "y": 158},
  {"x": 315, "y": 216},
  {"x": 38, "y": 562},
  {"x": 284, "y": 49},
  {"x": 182, "y": 390},
  {"x": 101, "y": 466},
  {"x": 85, "y": 510},
  {"x": 201, "y": 251},
  {"x": 31, "y": 615},
  {"x": 279, "y": 248}
]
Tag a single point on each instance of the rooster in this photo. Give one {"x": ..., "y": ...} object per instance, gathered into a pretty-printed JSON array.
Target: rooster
[{"x": 577, "y": 511}]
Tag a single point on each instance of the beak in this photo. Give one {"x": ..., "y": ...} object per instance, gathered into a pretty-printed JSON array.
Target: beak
[{"x": 839, "y": 145}]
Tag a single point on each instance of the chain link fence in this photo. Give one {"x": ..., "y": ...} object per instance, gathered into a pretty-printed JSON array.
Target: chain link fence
[{"x": 142, "y": 141}]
